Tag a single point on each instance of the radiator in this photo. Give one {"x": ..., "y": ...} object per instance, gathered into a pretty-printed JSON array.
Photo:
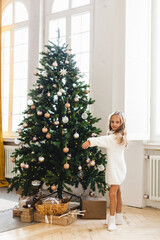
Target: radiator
[
  {"x": 154, "y": 193},
  {"x": 8, "y": 164}
]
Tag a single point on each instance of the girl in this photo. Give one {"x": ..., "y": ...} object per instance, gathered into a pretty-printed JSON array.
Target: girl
[{"x": 115, "y": 142}]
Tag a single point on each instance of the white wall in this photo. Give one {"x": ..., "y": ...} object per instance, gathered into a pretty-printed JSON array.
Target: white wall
[{"x": 107, "y": 88}]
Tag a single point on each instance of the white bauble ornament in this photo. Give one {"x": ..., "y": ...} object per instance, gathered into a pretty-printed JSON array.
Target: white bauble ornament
[
  {"x": 30, "y": 102},
  {"x": 79, "y": 168},
  {"x": 68, "y": 156},
  {"x": 67, "y": 105},
  {"x": 93, "y": 135},
  {"x": 39, "y": 113},
  {"x": 66, "y": 166},
  {"x": 55, "y": 64},
  {"x": 65, "y": 119},
  {"x": 41, "y": 159},
  {"x": 48, "y": 94},
  {"x": 77, "y": 76},
  {"x": 36, "y": 183},
  {"x": 16, "y": 141},
  {"x": 101, "y": 167},
  {"x": 26, "y": 166},
  {"x": 47, "y": 115},
  {"x": 67, "y": 62},
  {"x": 92, "y": 163},
  {"x": 76, "y": 135},
  {"x": 25, "y": 124},
  {"x": 54, "y": 85},
  {"x": 44, "y": 74},
  {"x": 84, "y": 115},
  {"x": 59, "y": 94},
  {"x": 44, "y": 129}
]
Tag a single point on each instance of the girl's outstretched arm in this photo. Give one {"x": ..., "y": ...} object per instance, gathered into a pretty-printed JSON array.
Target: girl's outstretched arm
[{"x": 86, "y": 144}]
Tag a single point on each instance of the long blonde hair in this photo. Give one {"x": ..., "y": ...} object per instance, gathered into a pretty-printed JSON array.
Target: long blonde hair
[{"x": 120, "y": 132}]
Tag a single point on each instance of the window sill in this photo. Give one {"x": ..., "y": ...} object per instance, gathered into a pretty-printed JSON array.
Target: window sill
[{"x": 151, "y": 145}]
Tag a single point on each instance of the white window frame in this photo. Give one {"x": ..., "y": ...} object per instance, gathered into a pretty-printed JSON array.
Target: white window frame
[
  {"x": 11, "y": 28},
  {"x": 68, "y": 14}
]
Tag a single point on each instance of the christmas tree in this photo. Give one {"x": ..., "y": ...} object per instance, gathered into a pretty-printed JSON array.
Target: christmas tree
[{"x": 56, "y": 123}]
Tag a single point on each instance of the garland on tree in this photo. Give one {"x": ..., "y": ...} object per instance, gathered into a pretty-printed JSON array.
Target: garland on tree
[{"x": 56, "y": 123}]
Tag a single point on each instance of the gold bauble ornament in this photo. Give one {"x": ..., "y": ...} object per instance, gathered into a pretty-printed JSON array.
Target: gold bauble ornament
[
  {"x": 67, "y": 105},
  {"x": 63, "y": 132},
  {"x": 44, "y": 129},
  {"x": 65, "y": 149},
  {"x": 33, "y": 107},
  {"x": 48, "y": 135},
  {"x": 47, "y": 115},
  {"x": 66, "y": 166},
  {"x": 92, "y": 163},
  {"x": 39, "y": 113},
  {"x": 13, "y": 159},
  {"x": 53, "y": 187}
]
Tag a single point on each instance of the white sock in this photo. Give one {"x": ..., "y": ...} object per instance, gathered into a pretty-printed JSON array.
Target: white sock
[
  {"x": 111, "y": 223},
  {"x": 119, "y": 219}
]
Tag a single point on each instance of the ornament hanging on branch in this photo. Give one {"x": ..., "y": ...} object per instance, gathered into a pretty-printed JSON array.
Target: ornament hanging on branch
[
  {"x": 66, "y": 166},
  {"x": 41, "y": 159},
  {"x": 47, "y": 115},
  {"x": 76, "y": 135},
  {"x": 44, "y": 129},
  {"x": 55, "y": 64},
  {"x": 39, "y": 113},
  {"x": 65, "y": 119}
]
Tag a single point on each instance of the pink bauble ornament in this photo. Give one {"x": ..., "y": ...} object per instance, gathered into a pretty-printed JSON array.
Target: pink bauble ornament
[
  {"x": 54, "y": 85},
  {"x": 92, "y": 163},
  {"x": 34, "y": 138},
  {"x": 44, "y": 129},
  {"x": 65, "y": 149},
  {"x": 76, "y": 99},
  {"x": 47, "y": 115},
  {"x": 25, "y": 124},
  {"x": 66, "y": 166},
  {"x": 55, "y": 64},
  {"x": 88, "y": 160},
  {"x": 22, "y": 165},
  {"x": 67, "y": 105},
  {"x": 39, "y": 113},
  {"x": 86, "y": 91},
  {"x": 67, "y": 62},
  {"x": 56, "y": 123}
]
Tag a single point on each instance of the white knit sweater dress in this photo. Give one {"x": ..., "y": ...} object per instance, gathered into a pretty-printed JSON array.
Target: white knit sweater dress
[{"x": 116, "y": 167}]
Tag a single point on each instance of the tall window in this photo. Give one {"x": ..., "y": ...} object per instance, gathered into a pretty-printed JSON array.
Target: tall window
[
  {"x": 14, "y": 65},
  {"x": 72, "y": 17}
]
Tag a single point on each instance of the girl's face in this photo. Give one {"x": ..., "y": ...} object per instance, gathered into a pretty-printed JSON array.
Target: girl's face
[{"x": 115, "y": 122}]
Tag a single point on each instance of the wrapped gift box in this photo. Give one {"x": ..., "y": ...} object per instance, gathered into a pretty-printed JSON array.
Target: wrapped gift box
[
  {"x": 27, "y": 218},
  {"x": 17, "y": 212},
  {"x": 96, "y": 207},
  {"x": 66, "y": 220}
]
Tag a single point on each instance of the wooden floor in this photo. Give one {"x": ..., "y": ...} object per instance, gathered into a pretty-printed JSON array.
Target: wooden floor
[{"x": 140, "y": 224}]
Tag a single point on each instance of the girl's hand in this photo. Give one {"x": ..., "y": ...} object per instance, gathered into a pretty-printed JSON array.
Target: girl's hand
[{"x": 86, "y": 145}]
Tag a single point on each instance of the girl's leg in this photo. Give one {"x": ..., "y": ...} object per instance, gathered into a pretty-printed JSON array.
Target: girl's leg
[
  {"x": 119, "y": 201},
  {"x": 119, "y": 216},
  {"x": 113, "y": 199},
  {"x": 113, "y": 204}
]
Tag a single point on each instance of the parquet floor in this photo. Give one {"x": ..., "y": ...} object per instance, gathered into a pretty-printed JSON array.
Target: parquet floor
[{"x": 140, "y": 224}]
